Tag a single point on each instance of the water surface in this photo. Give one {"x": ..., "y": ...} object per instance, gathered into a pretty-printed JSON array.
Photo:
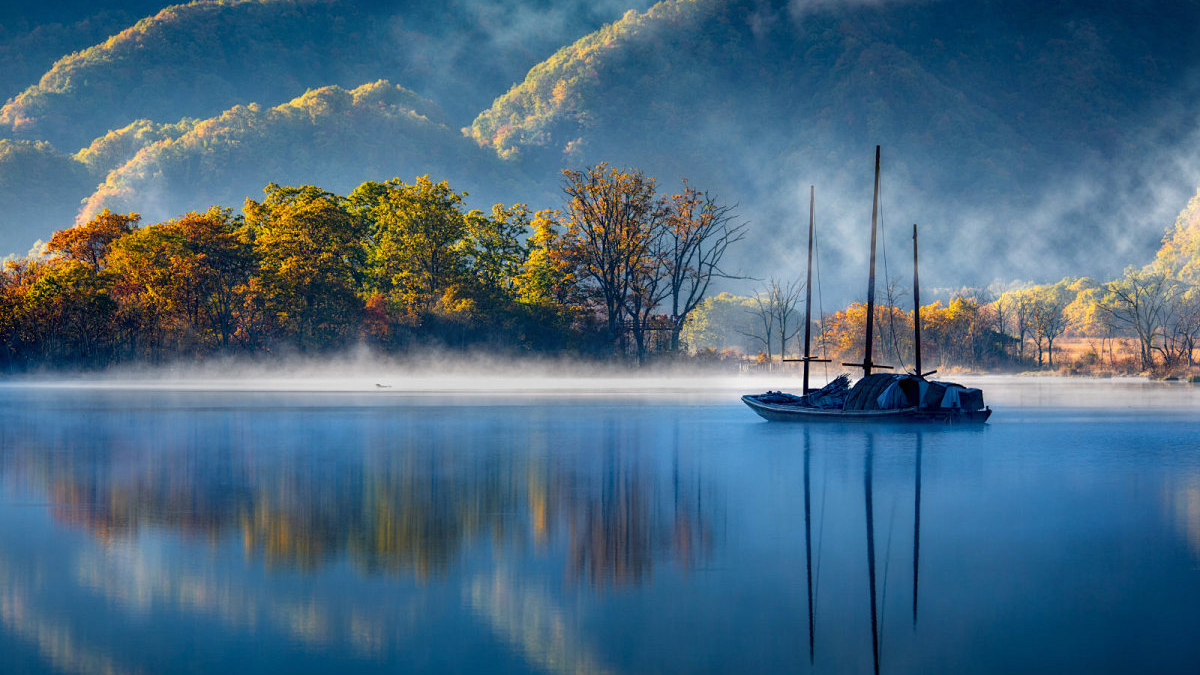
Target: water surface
[{"x": 147, "y": 529}]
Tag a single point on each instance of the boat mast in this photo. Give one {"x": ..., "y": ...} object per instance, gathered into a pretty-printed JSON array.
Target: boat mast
[
  {"x": 812, "y": 196},
  {"x": 807, "y": 358},
  {"x": 866, "y": 364},
  {"x": 916, "y": 307}
]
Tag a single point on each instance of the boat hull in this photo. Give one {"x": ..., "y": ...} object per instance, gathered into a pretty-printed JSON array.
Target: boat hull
[{"x": 792, "y": 413}]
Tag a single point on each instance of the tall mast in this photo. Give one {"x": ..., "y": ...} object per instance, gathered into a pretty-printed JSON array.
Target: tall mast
[
  {"x": 812, "y": 195},
  {"x": 866, "y": 364},
  {"x": 916, "y": 306}
]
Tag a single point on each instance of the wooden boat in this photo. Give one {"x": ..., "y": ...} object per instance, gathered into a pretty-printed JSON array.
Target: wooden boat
[{"x": 876, "y": 397}]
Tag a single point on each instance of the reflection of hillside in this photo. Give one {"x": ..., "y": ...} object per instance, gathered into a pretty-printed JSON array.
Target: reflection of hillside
[
  {"x": 62, "y": 649},
  {"x": 1183, "y": 501},
  {"x": 407, "y": 511},
  {"x": 529, "y": 619}
]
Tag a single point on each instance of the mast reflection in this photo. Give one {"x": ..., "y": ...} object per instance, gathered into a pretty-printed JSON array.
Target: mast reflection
[
  {"x": 808, "y": 544},
  {"x": 868, "y": 480}
]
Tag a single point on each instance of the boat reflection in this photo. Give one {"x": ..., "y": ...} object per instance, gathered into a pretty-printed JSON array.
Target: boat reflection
[{"x": 870, "y": 548}]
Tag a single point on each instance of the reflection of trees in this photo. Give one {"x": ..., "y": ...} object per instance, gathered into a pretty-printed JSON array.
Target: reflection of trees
[
  {"x": 387, "y": 510},
  {"x": 618, "y": 524},
  {"x": 611, "y": 532}
]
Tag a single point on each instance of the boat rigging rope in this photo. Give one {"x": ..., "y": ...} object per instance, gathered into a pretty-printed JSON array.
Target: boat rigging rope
[
  {"x": 820, "y": 301},
  {"x": 887, "y": 280}
]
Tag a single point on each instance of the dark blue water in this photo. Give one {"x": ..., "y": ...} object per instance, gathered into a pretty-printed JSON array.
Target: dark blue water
[{"x": 149, "y": 531}]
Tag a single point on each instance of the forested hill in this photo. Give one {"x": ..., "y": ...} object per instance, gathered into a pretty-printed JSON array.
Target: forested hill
[
  {"x": 1012, "y": 130},
  {"x": 377, "y": 129},
  {"x": 1030, "y": 139},
  {"x": 96, "y": 108},
  {"x": 197, "y": 59}
]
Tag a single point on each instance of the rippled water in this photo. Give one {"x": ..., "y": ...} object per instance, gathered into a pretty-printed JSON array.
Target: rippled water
[{"x": 149, "y": 530}]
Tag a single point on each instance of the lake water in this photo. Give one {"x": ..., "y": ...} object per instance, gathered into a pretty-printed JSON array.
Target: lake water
[{"x": 146, "y": 529}]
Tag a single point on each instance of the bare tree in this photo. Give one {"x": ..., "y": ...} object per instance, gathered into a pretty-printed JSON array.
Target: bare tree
[
  {"x": 764, "y": 316},
  {"x": 698, "y": 232},
  {"x": 1049, "y": 320},
  {"x": 1140, "y": 301},
  {"x": 775, "y": 314},
  {"x": 1182, "y": 328},
  {"x": 649, "y": 286},
  {"x": 786, "y": 297},
  {"x": 1023, "y": 311},
  {"x": 896, "y": 338}
]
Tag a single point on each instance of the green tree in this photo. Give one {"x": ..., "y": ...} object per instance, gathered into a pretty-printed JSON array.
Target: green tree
[
  {"x": 493, "y": 248},
  {"x": 311, "y": 255},
  {"x": 416, "y": 232}
]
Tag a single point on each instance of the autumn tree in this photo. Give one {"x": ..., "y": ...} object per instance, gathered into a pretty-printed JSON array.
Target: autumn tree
[
  {"x": 89, "y": 243},
  {"x": 1049, "y": 317},
  {"x": 195, "y": 268},
  {"x": 70, "y": 310},
  {"x": 614, "y": 222},
  {"x": 547, "y": 277},
  {"x": 493, "y": 249}
]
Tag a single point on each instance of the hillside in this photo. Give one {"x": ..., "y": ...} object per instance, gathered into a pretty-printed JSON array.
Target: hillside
[
  {"x": 1012, "y": 131},
  {"x": 40, "y": 189},
  {"x": 197, "y": 59},
  {"x": 29, "y": 50},
  {"x": 1180, "y": 252},
  {"x": 329, "y": 137},
  {"x": 191, "y": 60}
]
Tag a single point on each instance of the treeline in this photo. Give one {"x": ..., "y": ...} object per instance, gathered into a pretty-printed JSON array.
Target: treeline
[
  {"x": 1145, "y": 321},
  {"x": 1148, "y": 320},
  {"x": 392, "y": 264}
]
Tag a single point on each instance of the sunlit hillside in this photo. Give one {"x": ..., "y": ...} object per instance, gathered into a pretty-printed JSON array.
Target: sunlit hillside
[
  {"x": 1010, "y": 130},
  {"x": 329, "y": 136}
]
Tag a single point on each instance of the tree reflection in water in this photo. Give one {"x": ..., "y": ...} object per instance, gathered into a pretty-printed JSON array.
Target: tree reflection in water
[{"x": 387, "y": 505}]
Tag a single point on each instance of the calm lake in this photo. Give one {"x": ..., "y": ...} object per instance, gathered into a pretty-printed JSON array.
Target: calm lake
[{"x": 161, "y": 530}]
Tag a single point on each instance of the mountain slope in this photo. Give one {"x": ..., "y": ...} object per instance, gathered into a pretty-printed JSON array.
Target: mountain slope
[
  {"x": 1013, "y": 130},
  {"x": 197, "y": 59},
  {"x": 330, "y": 137},
  {"x": 40, "y": 189}
]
